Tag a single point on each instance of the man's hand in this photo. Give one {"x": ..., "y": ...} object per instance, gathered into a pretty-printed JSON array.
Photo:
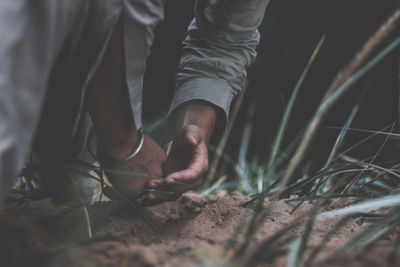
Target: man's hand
[
  {"x": 146, "y": 165},
  {"x": 110, "y": 108},
  {"x": 188, "y": 159},
  {"x": 184, "y": 169}
]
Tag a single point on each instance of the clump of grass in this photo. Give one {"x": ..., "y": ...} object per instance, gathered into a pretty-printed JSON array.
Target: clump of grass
[
  {"x": 259, "y": 214},
  {"x": 338, "y": 179}
]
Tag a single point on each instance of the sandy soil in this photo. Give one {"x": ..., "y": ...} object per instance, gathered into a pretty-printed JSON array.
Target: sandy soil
[{"x": 35, "y": 232}]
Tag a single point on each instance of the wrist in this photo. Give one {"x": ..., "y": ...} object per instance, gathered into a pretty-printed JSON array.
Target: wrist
[
  {"x": 120, "y": 145},
  {"x": 198, "y": 114}
]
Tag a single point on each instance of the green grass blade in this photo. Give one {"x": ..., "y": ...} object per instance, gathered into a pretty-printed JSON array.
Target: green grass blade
[
  {"x": 214, "y": 187},
  {"x": 365, "y": 131},
  {"x": 372, "y": 238},
  {"x": 294, "y": 251},
  {"x": 374, "y": 166},
  {"x": 282, "y": 128},
  {"x": 362, "y": 207},
  {"x": 344, "y": 130},
  {"x": 284, "y": 235}
]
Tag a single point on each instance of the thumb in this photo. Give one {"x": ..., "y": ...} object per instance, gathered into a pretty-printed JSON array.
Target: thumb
[{"x": 192, "y": 139}]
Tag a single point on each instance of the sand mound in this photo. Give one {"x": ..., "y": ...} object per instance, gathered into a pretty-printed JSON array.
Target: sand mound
[{"x": 35, "y": 232}]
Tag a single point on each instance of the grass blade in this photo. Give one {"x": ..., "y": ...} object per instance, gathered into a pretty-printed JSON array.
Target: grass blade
[
  {"x": 294, "y": 252},
  {"x": 362, "y": 207},
  {"x": 366, "y": 131},
  {"x": 282, "y": 128},
  {"x": 344, "y": 130}
]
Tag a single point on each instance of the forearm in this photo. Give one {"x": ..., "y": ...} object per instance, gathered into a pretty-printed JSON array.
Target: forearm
[
  {"x": 109, "y": 103},
  {"x": 220, "y": 46}
]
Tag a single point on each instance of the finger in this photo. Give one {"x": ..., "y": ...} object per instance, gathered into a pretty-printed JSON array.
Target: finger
[
  {"x": 162, "y": 185},
  {"x": 187, "y": 176},
  {"x": 154, "y": 183},
  {"x": 192, "y": 139},
  {"x": 181, "y": 187},
  {"x": 159, "y": 184},
  {"x": 171, "y": 185}
]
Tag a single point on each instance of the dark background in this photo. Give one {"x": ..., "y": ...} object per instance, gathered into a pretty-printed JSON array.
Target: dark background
[{"x": 289, "y": 34}]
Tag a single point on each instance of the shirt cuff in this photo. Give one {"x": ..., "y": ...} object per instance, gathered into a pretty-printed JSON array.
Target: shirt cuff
[{"x": 214, "y": 91}]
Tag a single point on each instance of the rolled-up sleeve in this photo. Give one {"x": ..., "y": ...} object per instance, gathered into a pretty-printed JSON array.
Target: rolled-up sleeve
[{"x": 220, "y": 46}]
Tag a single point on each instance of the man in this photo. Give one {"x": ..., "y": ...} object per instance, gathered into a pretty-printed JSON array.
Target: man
[{"x": 68, "y": 64}]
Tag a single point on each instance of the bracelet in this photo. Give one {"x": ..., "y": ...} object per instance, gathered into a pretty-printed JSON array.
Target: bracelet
[{"x": 110, "y": 161}]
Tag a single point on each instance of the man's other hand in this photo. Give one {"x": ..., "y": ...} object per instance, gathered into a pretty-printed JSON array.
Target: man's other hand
[
  {"x": 184, "y": 169},
  {"x": 146, "y": 165},
  {"x": 188, "y": 160}
]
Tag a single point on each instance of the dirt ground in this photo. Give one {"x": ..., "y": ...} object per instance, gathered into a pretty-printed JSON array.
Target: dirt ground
[{"x": 194, "y": 230}]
